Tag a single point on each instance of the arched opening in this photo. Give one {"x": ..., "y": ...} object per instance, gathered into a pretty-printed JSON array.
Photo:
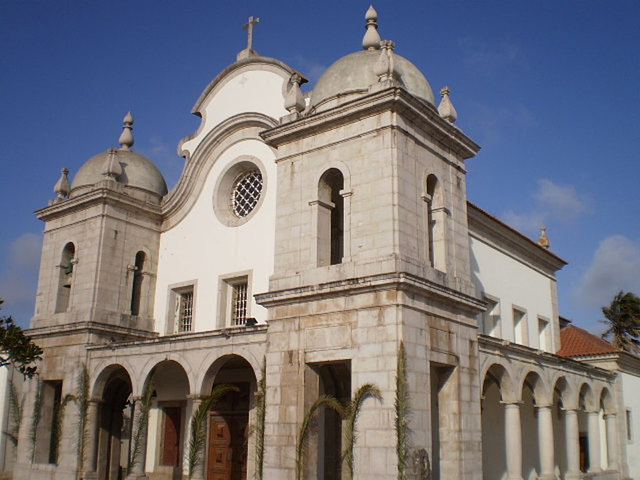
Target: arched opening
[
  {"x": 494, "y": 462},
  {"x": 167, "y": 420},
  {"x": 330, "y": 222},
  {"x": 559, "y": 427},
  {"x": 229, "y": 420},
  {"x": 114, "y": 424},
  {"x": 435, "y": 224},
  {"x": 531, "y": 454},
  {"x": 586, "y": 434},
  {"x": 65, "y": 277},
  {"x": 608, "y": 431},
  {"x": 136, "y": 288}
]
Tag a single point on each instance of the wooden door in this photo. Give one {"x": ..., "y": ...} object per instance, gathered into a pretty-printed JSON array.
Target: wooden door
[
  {"x": 219, "y": 465},
  {"x": 171, "y": 443},
  {"x": 227, "y": 453}
]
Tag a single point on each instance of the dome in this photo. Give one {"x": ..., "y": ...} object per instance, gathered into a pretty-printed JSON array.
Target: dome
[
  {"x": 137, "y": 171},
  {"x": 126, "y": 167},
  {"x": 353, "y": 74}
]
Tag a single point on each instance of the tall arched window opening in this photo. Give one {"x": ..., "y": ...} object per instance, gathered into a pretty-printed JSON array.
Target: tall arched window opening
[
  {"x": 435, "y": 224},
  {"x": 136, "y": 289},
  {"x": 65, "y": 277},
  {"x": 330, "y": 218}
]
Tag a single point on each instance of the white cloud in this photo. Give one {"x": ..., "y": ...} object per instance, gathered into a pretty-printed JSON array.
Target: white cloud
[
  {"x": 487, "y": 58},
  {"x": 309, "y": 68},
  {"x": 18, "y": 280},
  {"x": 552, "y": 202},
  {"x": 615, "y": 266}
]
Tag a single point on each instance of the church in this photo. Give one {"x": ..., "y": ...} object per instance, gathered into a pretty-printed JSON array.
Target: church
[{"x": 318, "y": 247}]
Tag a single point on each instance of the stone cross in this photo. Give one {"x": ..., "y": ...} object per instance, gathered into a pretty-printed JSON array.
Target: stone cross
[{"x": 249, "y": 26}]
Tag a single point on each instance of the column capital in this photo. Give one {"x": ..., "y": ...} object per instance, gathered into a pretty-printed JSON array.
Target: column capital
[
  {"x": 610, "y": 415},
  {"x": 513, "y": 403},
  {"x": 543, "y": 405}
]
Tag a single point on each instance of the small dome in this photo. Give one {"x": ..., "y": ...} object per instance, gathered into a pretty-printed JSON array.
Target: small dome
[
  {"x": 137, "y": 171},
  {"x": 352, "y": 75}
]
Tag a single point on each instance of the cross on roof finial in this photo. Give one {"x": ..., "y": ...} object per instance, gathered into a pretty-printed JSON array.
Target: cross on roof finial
[{"x": 249, "y": 26}]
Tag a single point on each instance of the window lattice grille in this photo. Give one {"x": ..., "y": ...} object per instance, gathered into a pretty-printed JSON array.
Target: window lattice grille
[
  {"x": 239, "y": 304},
  {"x": 246, "y": 193},
  {"x": 185, "y": 312}
]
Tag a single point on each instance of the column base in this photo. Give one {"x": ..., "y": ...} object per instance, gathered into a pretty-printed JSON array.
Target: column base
[
  {"x": 547, "y": 476},
  {"x": 573, "y": 476},
  {"x": 137, "y": 476}
]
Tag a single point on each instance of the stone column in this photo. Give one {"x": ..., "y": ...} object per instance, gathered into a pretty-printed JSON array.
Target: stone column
[
  {"x": 137, "y": 471},
  {"x": 572, "y": 444},
  {"x": 545, "y": 442},
  {"x": 612, "y": 444},
  {"x": 91, "y": 441},
  {"x": 594, "y": 442},
  {"x": 513, "y": 440}
]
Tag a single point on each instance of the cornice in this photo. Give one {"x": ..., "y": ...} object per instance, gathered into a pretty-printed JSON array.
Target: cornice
[
  {"x": 393, "y": 99},
  {"x": 96, "y": 197},
  {"x": 509, "y": 241},
  {"x": 89, "y": 328},
  {"x": 387, "y": 281}
]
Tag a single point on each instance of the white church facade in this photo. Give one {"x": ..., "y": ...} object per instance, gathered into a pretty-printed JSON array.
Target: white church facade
[{"x": 315, "y": 243}]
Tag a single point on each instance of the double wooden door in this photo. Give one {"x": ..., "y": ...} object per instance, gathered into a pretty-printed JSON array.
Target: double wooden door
[{"x": 227, "y": 451}]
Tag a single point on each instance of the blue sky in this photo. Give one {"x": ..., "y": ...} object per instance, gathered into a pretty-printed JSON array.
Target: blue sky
[{"x": 549, "y": 89}]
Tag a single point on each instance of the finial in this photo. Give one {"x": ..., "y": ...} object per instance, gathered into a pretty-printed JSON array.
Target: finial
[
  {"x": 62, "y": 187},
  {"x": 294, "y": 100},
  {"x": 126, "y": 137},
  {"x": 371, "y": 40},
  {"x": 385, "y": 66},
  {"x": 446, "y": 108},
  {"x": 544, "y": 240},
  {"x": 111, "y": 167}
]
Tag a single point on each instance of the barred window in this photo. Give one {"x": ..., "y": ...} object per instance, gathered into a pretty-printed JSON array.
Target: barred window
[
  {"x": 246, "y": 193},
  {"x": 185, "y": 311},
  {"x": 239, "y": 304}
]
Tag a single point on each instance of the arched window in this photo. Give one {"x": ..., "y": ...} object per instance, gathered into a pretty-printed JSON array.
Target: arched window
[
  {"x": 330, "y": 218},
  {"x": 136, "y": 289},
  {"x": 65, "y": 278},
  {"x": 435, "y": 224}
]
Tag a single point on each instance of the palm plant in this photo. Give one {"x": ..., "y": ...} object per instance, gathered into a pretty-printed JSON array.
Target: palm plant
[
  {"x": 15, "y": 414},
  {"x": 142, "y": 420},
  {"x": 402, "y": 413},
  {"x": 368, "y": 390},
  {"x": 622, "y": 318},
  {"x": 261, "y": 409},
  {"x": 328, "y": 401},
  {"x": 198, "y": 427}
]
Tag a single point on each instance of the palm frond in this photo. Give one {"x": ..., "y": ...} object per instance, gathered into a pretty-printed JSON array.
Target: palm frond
[
  {"x": 368, "y": 390},
  {"x": 622, "y": 317},
  {"x": 35, "y": 418},
  {"x": 82, "y": 395},
  {"x": 198, "y": 437},
  {"x": 15, "y": 414},
  {"x": 402, "y": 408},
  {"x": 142, "y": 421},
  {"x": 328, "y": 401},
  {"x": 261, "y": 409}
]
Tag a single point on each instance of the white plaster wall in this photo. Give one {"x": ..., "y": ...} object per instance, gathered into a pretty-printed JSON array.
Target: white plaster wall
[
  {"x": 631, "y": 401},
  {"x": 246, "y": 91},
  {"x": 4, "y": 412},
  {"x": 515, "y": 285},
  {"x": 201, "y": 249}
]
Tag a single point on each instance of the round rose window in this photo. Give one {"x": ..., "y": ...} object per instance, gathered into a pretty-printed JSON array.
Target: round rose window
[{"x": 246, "y": 193}]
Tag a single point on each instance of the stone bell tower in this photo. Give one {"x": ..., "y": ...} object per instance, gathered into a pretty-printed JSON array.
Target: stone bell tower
[{"x": 372, "y": 252}]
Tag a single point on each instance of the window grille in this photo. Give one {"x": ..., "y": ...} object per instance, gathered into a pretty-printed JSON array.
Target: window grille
[
  {"x": 246, "y": 193},
  {"x": 185, "y": 311},
  {"x": 239, "y": 304}
]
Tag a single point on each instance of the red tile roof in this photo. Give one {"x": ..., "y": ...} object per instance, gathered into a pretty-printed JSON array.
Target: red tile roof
[{"x": 576, "y": 342}]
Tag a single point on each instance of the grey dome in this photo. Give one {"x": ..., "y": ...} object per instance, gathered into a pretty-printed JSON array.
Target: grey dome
[
  {"x": 352, "y": 75},
  {"x": 137, "y": 171}
]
